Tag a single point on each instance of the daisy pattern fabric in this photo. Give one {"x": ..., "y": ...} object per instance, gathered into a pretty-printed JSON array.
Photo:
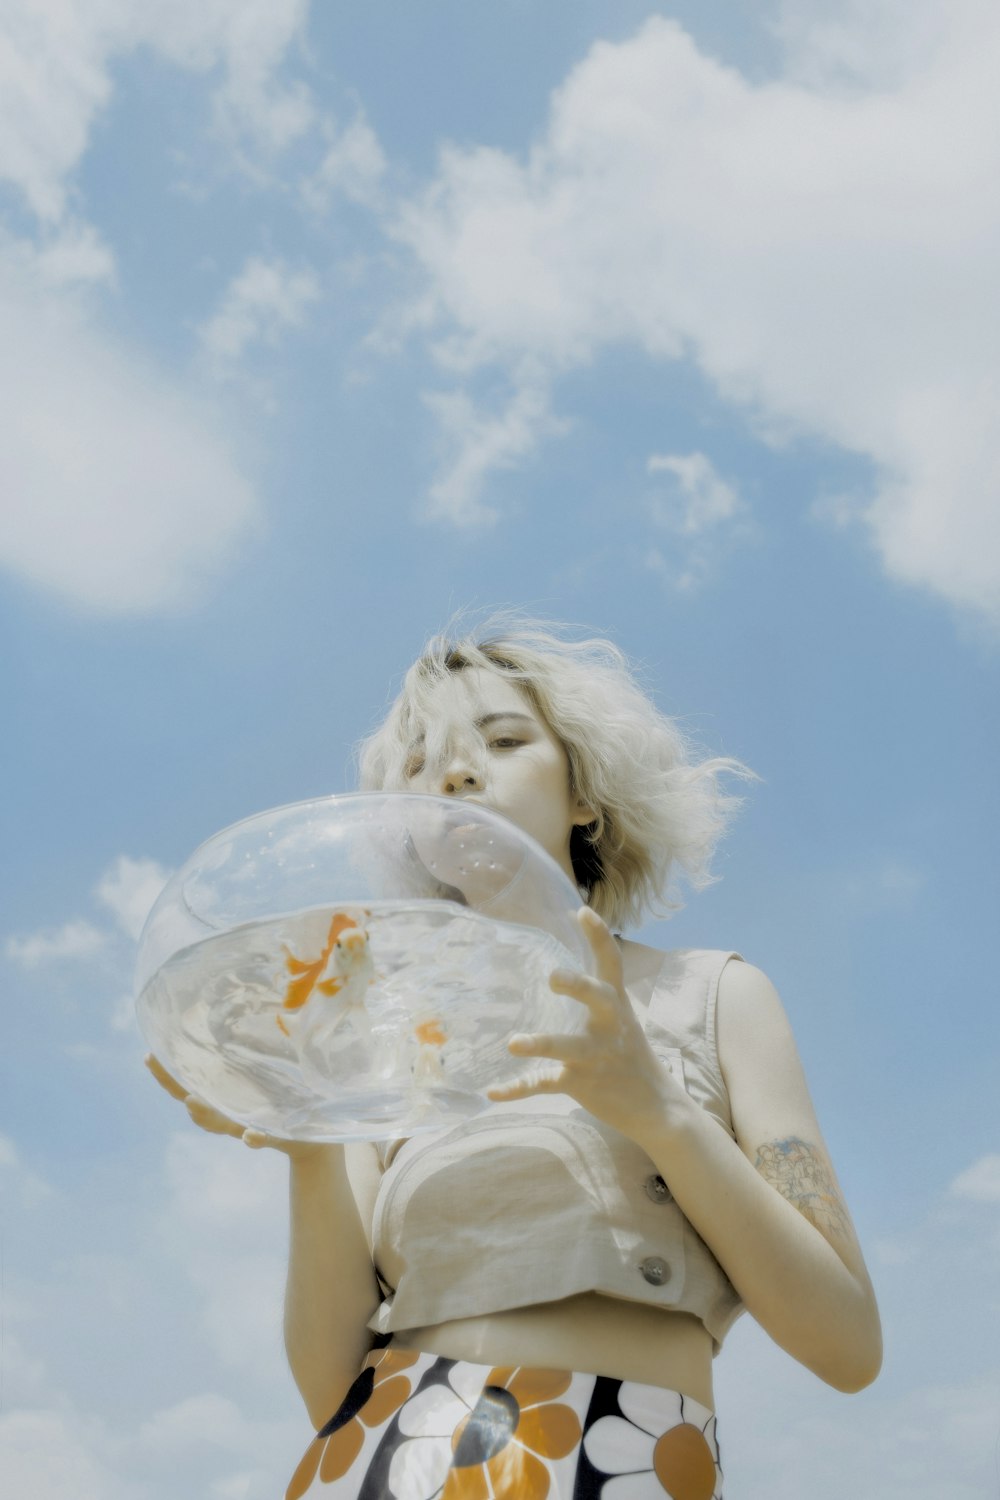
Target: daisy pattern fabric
[{"x": 419, "y": 1427}]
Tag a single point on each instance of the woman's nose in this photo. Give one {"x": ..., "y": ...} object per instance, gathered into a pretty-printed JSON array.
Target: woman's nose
[{"x": 460, "y": 775}]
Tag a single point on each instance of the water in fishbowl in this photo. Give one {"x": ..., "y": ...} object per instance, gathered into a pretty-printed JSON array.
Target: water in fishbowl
[{"x": 356, "y": 1022}]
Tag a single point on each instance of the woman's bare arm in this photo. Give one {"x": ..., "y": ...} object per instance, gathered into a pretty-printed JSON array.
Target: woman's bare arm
[
  {"x": 331, "y": 1290},
  {"x": 770, "y": 1207}
]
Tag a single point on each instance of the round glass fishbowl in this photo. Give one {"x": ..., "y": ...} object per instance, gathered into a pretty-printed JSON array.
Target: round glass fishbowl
[{"x": 353, "y": 967}]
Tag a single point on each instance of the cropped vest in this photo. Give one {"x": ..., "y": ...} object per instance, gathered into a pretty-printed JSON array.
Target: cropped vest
[{"x": 536, "y": 1200}]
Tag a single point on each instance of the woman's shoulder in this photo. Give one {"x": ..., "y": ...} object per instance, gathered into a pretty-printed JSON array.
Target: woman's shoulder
[
  {"x": 744, "y": 989},
  {"x": 642, "y": 961}
]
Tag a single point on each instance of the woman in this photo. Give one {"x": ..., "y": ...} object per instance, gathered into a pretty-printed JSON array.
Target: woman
[{"x": 534, "y": 1298}]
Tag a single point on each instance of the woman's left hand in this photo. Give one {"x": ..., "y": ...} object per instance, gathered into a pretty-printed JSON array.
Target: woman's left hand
[{"x": 610, "y": 1068}]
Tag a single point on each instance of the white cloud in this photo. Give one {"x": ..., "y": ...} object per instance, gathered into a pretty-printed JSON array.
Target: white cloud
[
  {"x": 28, "y": 1185},
  {"x": 55, "y": 1455},
  {"x": 56, "y": 61},
  {"x": 119, "y": 491},
  {"x": 122, "y": 1014},
  {"x": 888, "y": 884},
  {"x": 822, "y": 246},
  {"x": 77, "y": 939},
  {"x": 785, "y": 1436},
  {"x": 224, "y": 1223},
  {"x": 128, "y": 889},
  {"x": 250, "y": 39},
  {"x": 980, "y": 1182},
  {"x": 475, "y": 443},
  {"x": 698, "y": 510},
  {"x": 69, "y": 254},
  {"x": 79, "y": 1418},
  {"x": 55, "y": 1451},
  {"x": 205, "y": 1419},
  {"x": 698, "y": 498},
  {"x": 23, "y": 1374},
  {"x": 266, "y": 298},
  {"x": 240, "y": 1486},
  {"x": 354, "y": 164},
  {"x": 24, "y": 1187},
  {"x": 119, "y": 488}
]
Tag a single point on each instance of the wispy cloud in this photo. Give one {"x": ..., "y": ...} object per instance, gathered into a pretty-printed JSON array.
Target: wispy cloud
[
  {"x": 980, "y": 1182},
  {"x": 698, "y": 513},
  {"x": 697, "y": 499},
  {"x": 890, "y": 883},
  {"x": 475, "y": 443},
  {"x": 19, "y": 1180},
  {"x": 265, "y": 299},
  {"x": 223, "y": 1224},
  {"x": 128, "y": 889},
  {"x": 54, "y": 1454},
  {"x": 353, "y": 164},
  {"x": 77, "y": 939}
]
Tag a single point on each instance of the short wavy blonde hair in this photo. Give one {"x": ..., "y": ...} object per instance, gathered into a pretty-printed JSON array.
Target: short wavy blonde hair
[{"x": 660, "y": 806}]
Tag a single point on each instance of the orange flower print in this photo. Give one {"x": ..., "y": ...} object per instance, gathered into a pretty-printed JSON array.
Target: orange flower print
[
  {"x": 677, "y": 1445},
  {"x": 484, "y": 1441},
  {"x": 375, "y": 1396}
]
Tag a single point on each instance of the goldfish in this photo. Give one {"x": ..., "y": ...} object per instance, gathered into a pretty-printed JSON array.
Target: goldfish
[
  {"x": 428, "y": 1068},
  {"x": 343, "y": 969}
]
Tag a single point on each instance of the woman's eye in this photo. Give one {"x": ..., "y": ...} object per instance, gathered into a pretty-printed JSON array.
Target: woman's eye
[{"x": 505, "y": 742}]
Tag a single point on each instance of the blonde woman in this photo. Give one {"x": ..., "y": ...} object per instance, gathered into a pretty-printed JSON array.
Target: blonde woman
[{"x": 528, "y": 1304}]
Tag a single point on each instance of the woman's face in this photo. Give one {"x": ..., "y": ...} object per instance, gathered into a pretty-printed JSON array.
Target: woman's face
[{"x": 501, "y": 754}]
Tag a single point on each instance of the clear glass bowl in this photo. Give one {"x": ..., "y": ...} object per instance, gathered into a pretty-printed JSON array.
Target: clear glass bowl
[{"x": 353, "y": 967}]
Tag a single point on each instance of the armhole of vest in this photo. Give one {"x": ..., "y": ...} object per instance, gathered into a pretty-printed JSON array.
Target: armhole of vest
[
  {"x": 388, "y": 1150},
  {"x": 712, "y": 1006}
]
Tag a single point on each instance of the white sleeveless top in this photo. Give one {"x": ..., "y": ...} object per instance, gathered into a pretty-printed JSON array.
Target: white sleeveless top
[{"x": 537, "y": 1199}]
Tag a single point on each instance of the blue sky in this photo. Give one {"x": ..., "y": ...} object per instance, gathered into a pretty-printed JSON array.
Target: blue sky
[{"x": 320, "y": 322}]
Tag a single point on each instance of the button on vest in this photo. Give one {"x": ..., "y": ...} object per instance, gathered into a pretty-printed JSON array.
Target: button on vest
[
  {"x": 655, "y": 1269},
  {"x": 657, "y": 1190}
]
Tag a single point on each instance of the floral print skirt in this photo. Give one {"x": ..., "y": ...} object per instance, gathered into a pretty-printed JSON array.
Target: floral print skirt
[{"x": 418, "y": 1427}]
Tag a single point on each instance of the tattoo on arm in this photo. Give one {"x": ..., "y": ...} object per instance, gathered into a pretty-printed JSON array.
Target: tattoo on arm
[{"x": 799, "y": 1173}]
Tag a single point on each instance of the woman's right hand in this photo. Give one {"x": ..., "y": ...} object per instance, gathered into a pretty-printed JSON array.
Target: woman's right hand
[{"x": 209, "y": 1118}]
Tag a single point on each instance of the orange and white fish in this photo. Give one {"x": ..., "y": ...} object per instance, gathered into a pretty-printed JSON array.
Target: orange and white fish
[
  {"x": 428, "y": 1068},
  {"x": 344, "y": 969}
]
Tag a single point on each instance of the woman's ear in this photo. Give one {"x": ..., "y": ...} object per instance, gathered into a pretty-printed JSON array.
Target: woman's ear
[{"x": 583, "y": 814}]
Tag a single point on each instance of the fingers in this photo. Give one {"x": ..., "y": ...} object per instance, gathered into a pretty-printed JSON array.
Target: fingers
[
  {"x": 564, "y": 1049},
  {"x": 203, "y": 1114},
  {"x": 603, "y": 994},
  {"x": 525, "y": 1088},
  {"x": 603, "y": 946},
  {"x": 164, "y": 1079},
  {"x": 209, "y": 1118},
  {"x": 599, "y": 998}
]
